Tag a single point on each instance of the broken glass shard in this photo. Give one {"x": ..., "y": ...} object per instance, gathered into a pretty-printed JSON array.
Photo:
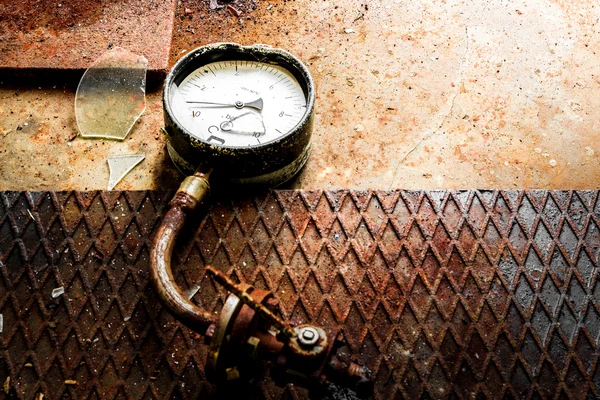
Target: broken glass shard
[
  {"x": 58, "y": 292},
  {"x": 111, "y": 95},
  {"x": 120, "y": 165},
  {"x": 191, "y": 292}
]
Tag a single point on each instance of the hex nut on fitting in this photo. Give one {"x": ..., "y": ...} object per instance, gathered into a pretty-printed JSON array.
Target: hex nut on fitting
[{"x": 308, "y": 336}]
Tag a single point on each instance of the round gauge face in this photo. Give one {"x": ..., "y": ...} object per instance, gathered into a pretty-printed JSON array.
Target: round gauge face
[{"x": 238, "y": 103}]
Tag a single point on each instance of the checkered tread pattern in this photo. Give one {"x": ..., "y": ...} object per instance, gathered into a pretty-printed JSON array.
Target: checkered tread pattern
[{"x": 442, "y": 294}]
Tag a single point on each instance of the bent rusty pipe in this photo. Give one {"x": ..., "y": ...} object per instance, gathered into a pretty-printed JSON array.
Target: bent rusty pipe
[{"x": 190, "y": 194}]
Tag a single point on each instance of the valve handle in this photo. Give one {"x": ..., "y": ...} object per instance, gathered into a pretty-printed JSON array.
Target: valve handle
[{"x": 288, "y": 332}]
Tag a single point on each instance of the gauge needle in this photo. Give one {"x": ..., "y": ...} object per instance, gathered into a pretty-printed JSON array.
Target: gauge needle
[{"x": 256, "y": 104}]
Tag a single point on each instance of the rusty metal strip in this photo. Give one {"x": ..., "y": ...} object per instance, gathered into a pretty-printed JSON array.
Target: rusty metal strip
[{"x": 471, "y": 294}]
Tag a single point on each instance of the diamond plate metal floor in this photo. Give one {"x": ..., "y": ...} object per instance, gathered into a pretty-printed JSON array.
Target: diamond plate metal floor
[{"x": 472, "y": 294}]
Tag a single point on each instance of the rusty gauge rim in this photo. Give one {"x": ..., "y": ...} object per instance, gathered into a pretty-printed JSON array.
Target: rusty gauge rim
[{"x": 246, "y": 110}]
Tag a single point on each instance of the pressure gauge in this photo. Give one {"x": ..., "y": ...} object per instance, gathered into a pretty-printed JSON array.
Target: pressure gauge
[
  {"x": 246, "y": 110},
  {"x": 236, "y": 114}
]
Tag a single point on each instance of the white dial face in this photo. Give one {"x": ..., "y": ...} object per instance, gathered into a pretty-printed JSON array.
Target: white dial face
[{"x": 239, "y": 103}]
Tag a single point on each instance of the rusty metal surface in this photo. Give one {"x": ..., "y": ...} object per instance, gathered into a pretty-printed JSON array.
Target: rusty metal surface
[
  {"x": 70, "y": 34},
  {"x": 474, "y": 294}
]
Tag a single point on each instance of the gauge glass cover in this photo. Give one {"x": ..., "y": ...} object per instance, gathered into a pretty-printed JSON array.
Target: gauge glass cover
[{"x": 238, "y": 103}]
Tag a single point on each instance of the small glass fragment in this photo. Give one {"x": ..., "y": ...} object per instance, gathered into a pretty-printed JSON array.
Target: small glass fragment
[
  {"x": 1, "y": 323},
  {"x": 191, "y": 292},
  {"x": 111, "y": 95},
  {"x": 58, "y": 291},
  {"x": 120, "y": 165}
]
